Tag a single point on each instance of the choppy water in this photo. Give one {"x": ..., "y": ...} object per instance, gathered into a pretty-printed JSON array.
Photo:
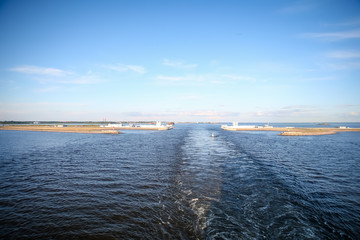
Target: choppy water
[{"x": 179, "y": 184}]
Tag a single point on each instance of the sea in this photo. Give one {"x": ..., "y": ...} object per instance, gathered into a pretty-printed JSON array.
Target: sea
[{"x": 180, "y": 184}]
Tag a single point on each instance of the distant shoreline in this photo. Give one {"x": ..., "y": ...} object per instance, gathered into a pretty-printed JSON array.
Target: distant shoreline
[
  {"x": 54, "y": 128},
  {"x": 80, "y": 128},
  {"x": 300, "y": 131},
  {"x": 97, "y": 129}
]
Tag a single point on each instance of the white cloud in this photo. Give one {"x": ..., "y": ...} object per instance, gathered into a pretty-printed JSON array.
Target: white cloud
[
  {"x": 343, "y": 54},
  {"x": 343, "y": 66},
  {"x": 178, "y": 64},
  {"x": 334, "y": 36},
  {"x": 35, "y": 70},
  {"x": 124, "y": 68}
]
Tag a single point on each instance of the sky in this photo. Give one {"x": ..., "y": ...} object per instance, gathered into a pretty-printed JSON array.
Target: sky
[{"x": 218, "y": 61}]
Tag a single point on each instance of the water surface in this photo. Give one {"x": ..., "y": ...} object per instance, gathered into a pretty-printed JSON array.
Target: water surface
[{"x": 179, "y": 184}]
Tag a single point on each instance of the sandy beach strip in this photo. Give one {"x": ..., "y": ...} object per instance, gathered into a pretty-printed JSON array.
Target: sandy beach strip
[
  {"x": 308, "y": 132},
  {"x": 54, "y": 128},
  {"x": 300, "y": 131}
]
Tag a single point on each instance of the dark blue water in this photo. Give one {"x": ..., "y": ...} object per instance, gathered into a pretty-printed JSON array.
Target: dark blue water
[{"x": 179, "y": 184}]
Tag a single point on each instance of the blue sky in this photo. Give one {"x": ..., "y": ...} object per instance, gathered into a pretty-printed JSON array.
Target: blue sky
[{"x": 246, "y": 61}]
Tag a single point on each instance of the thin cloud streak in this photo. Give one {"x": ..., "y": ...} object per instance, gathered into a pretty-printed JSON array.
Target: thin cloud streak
[
  {"x": 124, "y": 68},
  {"x": 343, "y": 54},
  {"x": 203, "y": 79},
  {"x": 334, "y": 36},
  {"x": 352, "y": 22},
  {"x": 348, "y": 105},
  {"x": 35, "y": 70},
  {"x": 53, "y": 75},
  {"x": 311, "y": 79},
  {"x": 87, "y": 79},
  {"x": 344, "y": 66},
  {"x": 288, "y": 113},
  {"x": 299, "y": 8}
]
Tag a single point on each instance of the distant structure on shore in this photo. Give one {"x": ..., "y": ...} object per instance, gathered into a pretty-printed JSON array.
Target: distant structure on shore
[
  {"x": 157, "y": 126},
  {"x": 236, "y": 126}
]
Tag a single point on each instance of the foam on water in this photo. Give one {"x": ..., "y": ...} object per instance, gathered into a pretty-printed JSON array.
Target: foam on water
[{"x": 201, "y": 172}]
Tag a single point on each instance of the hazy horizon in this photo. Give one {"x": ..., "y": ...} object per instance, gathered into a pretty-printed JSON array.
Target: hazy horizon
[{"x": 182, "y": 61}]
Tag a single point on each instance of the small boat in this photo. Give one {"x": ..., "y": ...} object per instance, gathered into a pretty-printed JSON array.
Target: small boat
[{"x": 213, "y": 135}]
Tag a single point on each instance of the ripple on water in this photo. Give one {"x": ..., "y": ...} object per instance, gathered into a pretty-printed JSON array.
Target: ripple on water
[{"x": 179, "y": 184}]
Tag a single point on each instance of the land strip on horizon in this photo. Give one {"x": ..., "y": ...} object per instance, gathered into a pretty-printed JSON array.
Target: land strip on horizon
[
  {"x": 55, "y": 128},
  {"x": 284, "y": 131},
  {"x": 299, "y": 131}
]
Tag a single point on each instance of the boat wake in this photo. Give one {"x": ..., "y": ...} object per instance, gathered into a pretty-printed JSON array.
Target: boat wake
[{"x": 200, "y": 178}]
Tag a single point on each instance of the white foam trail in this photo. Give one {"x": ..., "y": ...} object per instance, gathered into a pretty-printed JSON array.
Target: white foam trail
[{"x": 201, "y": 171}]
